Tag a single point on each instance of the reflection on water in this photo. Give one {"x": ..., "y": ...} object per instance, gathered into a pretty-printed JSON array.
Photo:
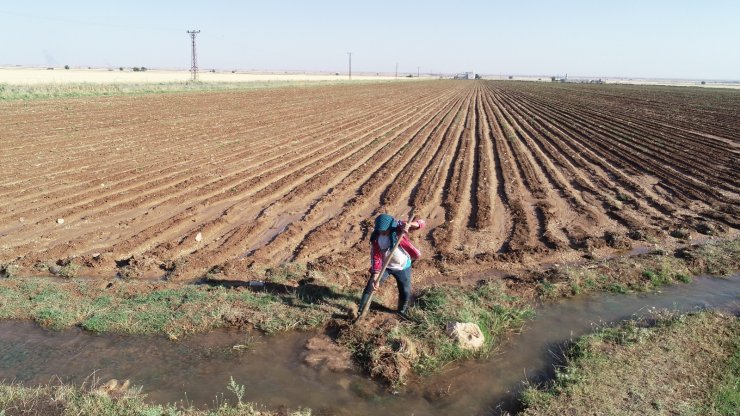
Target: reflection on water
[{"x": 199, "y": 368}]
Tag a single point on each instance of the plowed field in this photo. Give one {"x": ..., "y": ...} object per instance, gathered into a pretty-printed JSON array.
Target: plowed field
[{"x": 506, "y": 174}]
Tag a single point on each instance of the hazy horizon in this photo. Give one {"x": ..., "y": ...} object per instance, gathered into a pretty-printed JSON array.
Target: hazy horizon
[{"x": 660, "y": 39}]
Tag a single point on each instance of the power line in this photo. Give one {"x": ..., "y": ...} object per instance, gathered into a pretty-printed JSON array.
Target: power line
[
  {"x": 350, "y": 65},
  {"x": 194, "y": 60}
]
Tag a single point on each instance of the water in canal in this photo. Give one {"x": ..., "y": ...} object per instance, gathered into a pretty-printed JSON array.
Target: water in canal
[{"x": 198, "y": 369}]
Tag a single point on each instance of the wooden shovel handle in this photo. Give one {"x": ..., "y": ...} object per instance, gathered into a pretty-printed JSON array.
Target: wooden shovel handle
[{"x": 366, "y": 306}]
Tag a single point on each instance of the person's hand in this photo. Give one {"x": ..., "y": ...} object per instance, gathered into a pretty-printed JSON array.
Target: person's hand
[
  {"x": 406, "y": 227},
  {"x": 376, "y": 281}
]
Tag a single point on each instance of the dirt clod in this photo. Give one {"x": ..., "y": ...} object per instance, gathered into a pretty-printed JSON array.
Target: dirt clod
[
  {"x": 322, "y": 352},
  {"x": 617, "y": 241}
]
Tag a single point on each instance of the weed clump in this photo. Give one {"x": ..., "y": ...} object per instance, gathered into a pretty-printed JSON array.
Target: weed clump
[
  {"x": 68, "y": 270},
  {"x": 286, "y": 273},
  {"x": 8, "y": 271},
  {"x": 681, "y": 233},
  {"x": 719, "y": 259}
]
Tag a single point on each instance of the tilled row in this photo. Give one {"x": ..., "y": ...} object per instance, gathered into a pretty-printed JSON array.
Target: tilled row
[
  {"x": 503, "y": 172},
  {"x": 627, "y": 153}
]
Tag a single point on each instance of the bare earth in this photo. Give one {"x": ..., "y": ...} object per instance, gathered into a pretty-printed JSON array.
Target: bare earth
[{"x": 507, "y": 174}]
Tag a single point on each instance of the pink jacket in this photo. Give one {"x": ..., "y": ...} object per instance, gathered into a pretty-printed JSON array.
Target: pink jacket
[{"x": 376, "y": 254}]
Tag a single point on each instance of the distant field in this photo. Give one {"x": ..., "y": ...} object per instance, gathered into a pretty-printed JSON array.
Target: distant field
[
  {"x": 30, "y": 76},
  {"x": 505, "y": 172},
  {"x": 627, "y": 81},
  {"x": 676, "y": 83}
]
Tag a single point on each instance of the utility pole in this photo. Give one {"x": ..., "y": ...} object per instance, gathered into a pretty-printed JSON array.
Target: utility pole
[
  {"x": 350, "y": 65},
  {"x": 194, "y": 59},
  {"x": 396, "y": 70},
  {"x": 417, "y": 72}
]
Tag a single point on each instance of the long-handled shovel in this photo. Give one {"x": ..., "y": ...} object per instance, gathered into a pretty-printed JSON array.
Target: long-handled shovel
[{"x": 366, "y": 306}]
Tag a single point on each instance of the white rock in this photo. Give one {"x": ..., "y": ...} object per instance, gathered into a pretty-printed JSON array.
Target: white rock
[
  {"x": 467, "y": 335},
  {"x": 198, "y": 237},
  {"x": 60, "y": 220}
]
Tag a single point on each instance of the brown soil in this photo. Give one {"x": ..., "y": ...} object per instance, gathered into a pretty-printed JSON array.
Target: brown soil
[
  {"x": 389, "y": 363},
  {"x": 323, "y": 353},
  {"x": 507, "y": 174}
]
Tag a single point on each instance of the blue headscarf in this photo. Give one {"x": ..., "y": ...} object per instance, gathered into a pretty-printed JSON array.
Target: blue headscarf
[{"x": 384, "y": 222}]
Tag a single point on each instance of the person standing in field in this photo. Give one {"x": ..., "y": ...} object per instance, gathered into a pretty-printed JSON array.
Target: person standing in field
[{"x": 386, "y": 233}]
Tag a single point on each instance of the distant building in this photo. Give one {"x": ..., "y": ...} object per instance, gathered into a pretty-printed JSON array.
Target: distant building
[
  {"x": 466, "y": 75},
  {"x": 557, "y": 78}
]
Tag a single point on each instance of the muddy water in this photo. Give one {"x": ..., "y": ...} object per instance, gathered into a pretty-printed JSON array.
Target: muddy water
[
  {"x": 197, "y": 370},
  {"x": 491, "y": 387}
]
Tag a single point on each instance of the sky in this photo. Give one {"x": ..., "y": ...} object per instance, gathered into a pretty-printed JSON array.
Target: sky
[{"x": 635, "y": 39}]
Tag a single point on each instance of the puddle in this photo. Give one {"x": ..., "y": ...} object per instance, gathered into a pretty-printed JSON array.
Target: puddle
[
  {"x": 198, "y": 369},
  {"x": 278, "y": 225}
]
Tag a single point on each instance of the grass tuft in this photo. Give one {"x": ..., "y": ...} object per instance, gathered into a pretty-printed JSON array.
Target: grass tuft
[
  {"x": 642, "y": 367},
  {"x": 112, "y": 399},
  {"x": 165, "y": 308},
  {"x": 639, "y": 273},
  {"x": 69, "y": 270}
]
